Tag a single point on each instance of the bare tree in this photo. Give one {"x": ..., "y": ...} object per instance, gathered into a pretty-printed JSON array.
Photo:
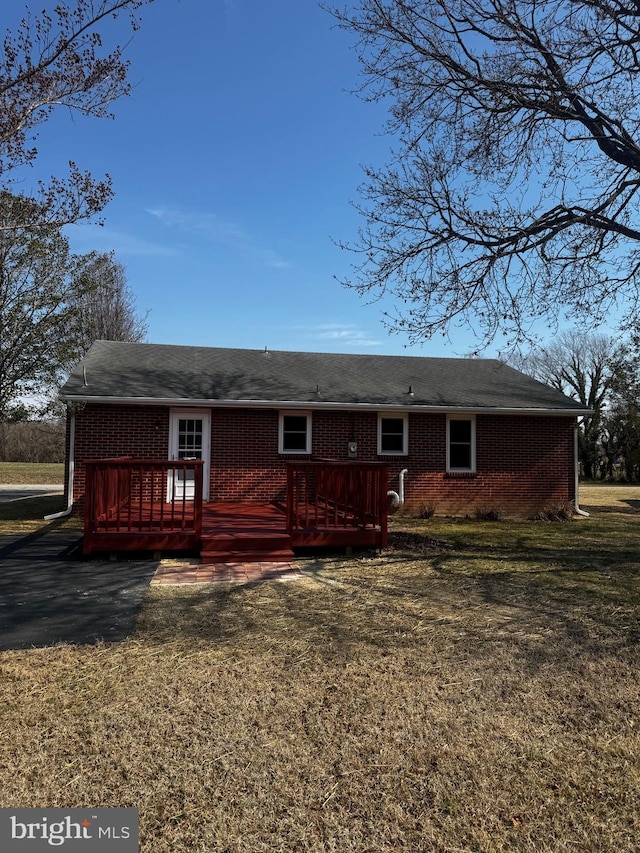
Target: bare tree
[
  {"x": 580, "y": 364},
  {"x": 105, "y": 306},
  {"x": 512, "y": 195},
  {"x": 621, "y": 440},
  {"x": 583, "y": 366},
  {"x": 56, "y": 60}
]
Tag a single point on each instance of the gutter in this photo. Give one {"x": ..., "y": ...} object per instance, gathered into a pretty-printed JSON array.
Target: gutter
[
  {"x": 309, "y": 404},
  {"x": 72, "y": 453}
]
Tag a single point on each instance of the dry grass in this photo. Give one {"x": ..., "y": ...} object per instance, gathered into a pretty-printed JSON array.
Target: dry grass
[
  {"x": 474, "y": 691},
  {"x": 20, "y": 473},
  {"x": 617, "y": 497}
]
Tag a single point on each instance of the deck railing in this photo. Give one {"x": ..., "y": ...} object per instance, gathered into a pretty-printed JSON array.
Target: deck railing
[
  {"x": 134, "y": 496},
  {"x": 337, "y": 496}
]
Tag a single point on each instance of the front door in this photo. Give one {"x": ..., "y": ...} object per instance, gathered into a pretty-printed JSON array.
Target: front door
[{"x": 189, "y": 439}]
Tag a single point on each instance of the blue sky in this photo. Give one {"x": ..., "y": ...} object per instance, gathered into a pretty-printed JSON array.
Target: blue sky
[{"x": 234, "y": 163}]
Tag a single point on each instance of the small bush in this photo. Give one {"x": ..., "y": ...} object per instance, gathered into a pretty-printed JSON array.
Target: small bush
[
  {"x": 489, "y": 514},
  {"x": 556, "y": 512},
  {"x": 426, "y": 510}
]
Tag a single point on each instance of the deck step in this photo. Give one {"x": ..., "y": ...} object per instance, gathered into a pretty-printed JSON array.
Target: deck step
[
  {"x": 256, "y": 535},
  {"x": 245, "y": 542},
  {"x": 246, "y": 556}
]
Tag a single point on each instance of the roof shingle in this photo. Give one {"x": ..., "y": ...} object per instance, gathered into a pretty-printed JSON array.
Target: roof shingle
[{"x": 118, "y": 371}]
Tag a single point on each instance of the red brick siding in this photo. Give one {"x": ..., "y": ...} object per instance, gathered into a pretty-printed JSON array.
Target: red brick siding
[
  {"x": 103, "y": 431},
  {"x": 523, "y": 462}
]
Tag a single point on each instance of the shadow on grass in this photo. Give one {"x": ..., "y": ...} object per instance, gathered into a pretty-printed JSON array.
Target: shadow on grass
[
  {"x": 632, "y": 508},
  {"x": 347, "y": 611},
  {"x": 31, "y": 508},
  {"x": 538, "y": 592},
  {"x": 20, "y": 540}
]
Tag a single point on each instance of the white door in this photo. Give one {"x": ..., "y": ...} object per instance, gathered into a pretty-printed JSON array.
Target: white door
[{"x": 189, "y": 439}]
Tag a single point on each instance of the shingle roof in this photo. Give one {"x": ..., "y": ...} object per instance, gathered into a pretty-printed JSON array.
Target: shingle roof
[{"x": 117, "y": 371}]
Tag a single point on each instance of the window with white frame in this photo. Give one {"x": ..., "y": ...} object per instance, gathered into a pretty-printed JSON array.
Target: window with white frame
[
  {"x": 294, "y": 434},
  {"x": 392, "y": 435},
  {"x": 461, "y": 444}
]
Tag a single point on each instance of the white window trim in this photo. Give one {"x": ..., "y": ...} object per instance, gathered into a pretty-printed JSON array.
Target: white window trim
[
  {"x": 297, "y": 414},
  {"x": 404, "y": 417},
  {"x": 472, "y": 418}
]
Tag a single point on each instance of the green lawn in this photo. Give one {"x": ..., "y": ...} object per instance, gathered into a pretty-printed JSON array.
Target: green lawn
[{"x": 474, "y": 688}]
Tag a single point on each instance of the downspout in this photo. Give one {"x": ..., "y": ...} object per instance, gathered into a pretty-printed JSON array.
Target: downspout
[
  {"x": 397, "y": 498},
  {"x": 72, "y": 453},
  {"x": 576, "y": 467}
]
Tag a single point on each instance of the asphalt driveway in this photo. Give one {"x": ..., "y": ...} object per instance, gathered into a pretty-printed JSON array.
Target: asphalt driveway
[
  {"x": 48, "y": 595},
  {"x": 17, "y": 492}
]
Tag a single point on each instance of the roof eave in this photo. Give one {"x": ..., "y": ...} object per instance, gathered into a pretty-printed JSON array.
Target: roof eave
[{"x": 188, "y": 402}]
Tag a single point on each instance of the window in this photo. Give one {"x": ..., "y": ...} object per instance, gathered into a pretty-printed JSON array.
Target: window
[
  {"x": 392, "y": 435},
  {"x": 461, "y": 450},
  {"x": 189, "y": 438},
  {"x": 295, "y": 432}
]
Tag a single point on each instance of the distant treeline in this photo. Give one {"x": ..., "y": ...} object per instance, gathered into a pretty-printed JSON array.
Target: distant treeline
[{"x": 34, "y": 441}]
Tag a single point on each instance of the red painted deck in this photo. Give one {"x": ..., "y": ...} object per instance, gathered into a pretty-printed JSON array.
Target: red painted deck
[
  {"x": 328, "y": 504},
  {"x": 230, "y": 531}
]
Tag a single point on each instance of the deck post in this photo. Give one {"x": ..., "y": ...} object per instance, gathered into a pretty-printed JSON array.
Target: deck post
[
  {"x": 290, "y": 510},
  {"x": 384, "y": 504},
  {"x": 197, "y": 500},
  {"x": 89, "y": 491}
]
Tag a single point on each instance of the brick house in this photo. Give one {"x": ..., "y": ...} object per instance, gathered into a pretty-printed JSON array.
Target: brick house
[{"x": 469, "y": 434}]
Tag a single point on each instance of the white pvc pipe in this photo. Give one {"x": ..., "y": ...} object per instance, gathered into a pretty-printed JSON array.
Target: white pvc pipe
[
  {"x": 403, "y": 473},
  {"x": 397, "y": 498}
]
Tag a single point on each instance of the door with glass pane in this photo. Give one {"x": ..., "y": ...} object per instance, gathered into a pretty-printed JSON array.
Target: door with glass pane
[{"x": 189, "y": 439}]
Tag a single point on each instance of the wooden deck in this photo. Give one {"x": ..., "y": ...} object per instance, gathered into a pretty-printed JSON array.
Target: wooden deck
[
  {"x": 328, "y": 505},
  {"x": 230, "y": 532}
]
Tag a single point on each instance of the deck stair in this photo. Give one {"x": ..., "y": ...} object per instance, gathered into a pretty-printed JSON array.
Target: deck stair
[{"x": 247, "y": 533}]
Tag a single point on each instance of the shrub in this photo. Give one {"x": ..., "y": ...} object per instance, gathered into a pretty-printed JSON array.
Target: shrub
[
  {"x": 426, "y": 510},
  {"x": 556, "y": 512},
  {"x": 489, "y": 514}
]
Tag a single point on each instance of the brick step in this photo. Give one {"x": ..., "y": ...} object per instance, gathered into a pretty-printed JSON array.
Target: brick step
[{"x": 284, "y": 555}]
